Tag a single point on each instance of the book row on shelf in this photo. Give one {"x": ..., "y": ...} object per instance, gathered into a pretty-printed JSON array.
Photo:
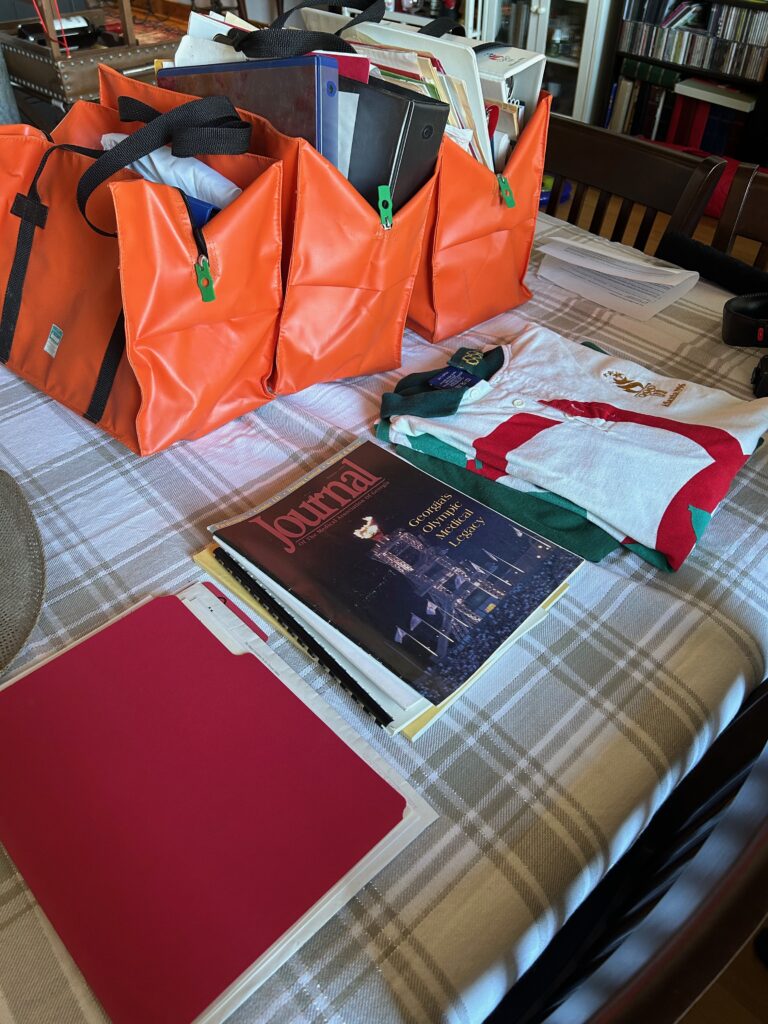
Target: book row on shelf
[
  {"x": 741, "y": 24},
  {"x": 738, "y": 23},
  {"x": 629, "y": 114},
  {"x": 679, "y": 46},
  {"x": 660, "y": 105}
]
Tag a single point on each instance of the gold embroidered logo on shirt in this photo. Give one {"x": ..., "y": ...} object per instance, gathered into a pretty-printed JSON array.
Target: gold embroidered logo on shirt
[{"x": 641, "y": 390}]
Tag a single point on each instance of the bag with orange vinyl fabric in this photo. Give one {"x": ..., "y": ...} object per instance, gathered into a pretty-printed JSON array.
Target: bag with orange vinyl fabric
[
  {"x": 113, "y": 302},
  {"x": 480, "y": 225},
  {"x": 347, "y": 278},
  {"x": 479, "y": 235}
]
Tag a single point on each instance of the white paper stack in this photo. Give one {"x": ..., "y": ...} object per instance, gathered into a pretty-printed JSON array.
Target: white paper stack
[{"x": 613, "y": 277}]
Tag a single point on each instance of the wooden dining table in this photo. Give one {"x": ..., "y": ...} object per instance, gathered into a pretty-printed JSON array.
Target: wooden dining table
[{"x": 542, "y": 774}]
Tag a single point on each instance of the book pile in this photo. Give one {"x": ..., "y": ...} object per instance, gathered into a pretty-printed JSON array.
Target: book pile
[
  {"x": 640, "y": 101},
  {"x": 657, "y": 103},
  {"x": 411, "y": 587}
]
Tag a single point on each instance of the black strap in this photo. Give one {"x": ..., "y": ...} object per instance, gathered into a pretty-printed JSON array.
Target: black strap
[
  {"x": 107, "y": 371},
  {"x": 15, "y": 286},
  {"x": 276, "y": 42},
  {"x": 223, "y": 136},
  {"x": 208, "y": 125},
  {"x": 279, "y": 43},
  {"x": 32, "y": 214},
  {"x": 443, "y": 27}
]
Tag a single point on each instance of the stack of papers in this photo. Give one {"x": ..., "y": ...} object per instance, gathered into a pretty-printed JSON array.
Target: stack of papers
[
  {"x": 423, "y": 72},
  {"x": 613, "y": 277}
]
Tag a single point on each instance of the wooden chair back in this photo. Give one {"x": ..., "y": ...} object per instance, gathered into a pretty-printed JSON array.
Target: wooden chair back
[
  {"x": 675, "y": 908},
  {"x": 630, "y": 172},
  {"x": 745, "y": 213},
  {"x": 671, "y": 958}
]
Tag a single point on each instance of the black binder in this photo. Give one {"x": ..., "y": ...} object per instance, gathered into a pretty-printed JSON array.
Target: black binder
[{"x": 396, "y": 139}]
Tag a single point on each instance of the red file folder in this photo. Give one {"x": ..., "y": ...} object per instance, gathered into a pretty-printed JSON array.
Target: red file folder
[{"x": 175, "y": 808}]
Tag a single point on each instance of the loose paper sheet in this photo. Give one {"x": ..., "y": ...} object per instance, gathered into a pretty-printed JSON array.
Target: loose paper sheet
[
  {"x": 613, "y": 278},
  {"x": 347, "y": 120}
]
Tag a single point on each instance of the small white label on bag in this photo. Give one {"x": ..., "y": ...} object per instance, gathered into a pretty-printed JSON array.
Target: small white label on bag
[{"x": 54, "y": 340}]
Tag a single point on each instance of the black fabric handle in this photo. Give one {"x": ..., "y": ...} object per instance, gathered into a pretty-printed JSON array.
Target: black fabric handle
[
  {"x": 68, "y": 148},
  {"x": 443, "y": 27},
  {"x": 275, "y": 42},
  {"x": 223, "y": 136},
  {"x": 131, "y": 109},
  {"x": 32, "y": 214},
  {"x": 268, "y": 42},
  {"x": 110, "y": 363},
  {"x": 204, "y": 126}
]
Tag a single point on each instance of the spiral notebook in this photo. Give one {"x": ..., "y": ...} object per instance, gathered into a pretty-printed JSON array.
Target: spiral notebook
[{"x": 189, "y": 811}]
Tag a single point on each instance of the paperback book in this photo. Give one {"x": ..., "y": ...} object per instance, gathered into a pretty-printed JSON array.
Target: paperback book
[{"x": 414, "y": 587}]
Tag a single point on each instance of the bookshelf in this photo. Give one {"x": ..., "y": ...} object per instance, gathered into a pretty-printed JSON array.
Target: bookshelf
[{"x": 664, "y": 44}]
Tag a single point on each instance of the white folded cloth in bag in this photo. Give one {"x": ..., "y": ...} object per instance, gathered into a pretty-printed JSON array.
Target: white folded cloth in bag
[
  {"x": 193, "y": 52},
  {"x": 188, "y": 173}
]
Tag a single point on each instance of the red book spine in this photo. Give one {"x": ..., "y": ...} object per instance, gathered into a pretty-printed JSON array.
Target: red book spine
[
  {"x": 699, "y": 118},
  {"x": 674, "y": 121},
  {"x": 688, "y": 122}
]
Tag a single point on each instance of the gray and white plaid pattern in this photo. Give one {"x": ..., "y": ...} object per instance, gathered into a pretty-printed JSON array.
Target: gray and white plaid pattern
[{"x": 542, "y": 774}]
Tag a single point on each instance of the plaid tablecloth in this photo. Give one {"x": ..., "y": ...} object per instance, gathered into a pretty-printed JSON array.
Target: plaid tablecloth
[{"x": 542, "y": 774}]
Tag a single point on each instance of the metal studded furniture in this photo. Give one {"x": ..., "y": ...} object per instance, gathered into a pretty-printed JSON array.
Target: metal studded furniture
[{"x": 47, "y": 71}]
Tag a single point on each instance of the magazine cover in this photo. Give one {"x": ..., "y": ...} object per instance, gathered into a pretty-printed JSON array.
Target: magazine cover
[{"x": 427, "y": 580}]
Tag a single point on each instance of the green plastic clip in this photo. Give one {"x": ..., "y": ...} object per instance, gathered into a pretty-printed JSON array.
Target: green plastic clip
[
  {"x": 506, "y": 191},
  {"x": 385, "y": 206},
  {"x": 205, "y": 279}
]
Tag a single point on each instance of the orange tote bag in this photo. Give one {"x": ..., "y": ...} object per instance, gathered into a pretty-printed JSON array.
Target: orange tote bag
[
  {"x": 347, "y": 279},
  {"x": 476, "y": 247},
  {"x": 113, "y": 302}
]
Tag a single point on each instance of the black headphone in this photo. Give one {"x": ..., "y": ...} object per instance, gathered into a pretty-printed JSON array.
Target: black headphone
[{"x": 745, "y": 320}]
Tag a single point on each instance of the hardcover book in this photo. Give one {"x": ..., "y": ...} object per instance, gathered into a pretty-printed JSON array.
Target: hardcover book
[{"x": 415, "y": 587}]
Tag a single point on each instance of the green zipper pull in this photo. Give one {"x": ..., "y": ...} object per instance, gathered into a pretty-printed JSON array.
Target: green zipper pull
[
  {"x": 385, "y": 206},
  {"x": 205, "y": 279},
  {"x": 506, "y": 191}
]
